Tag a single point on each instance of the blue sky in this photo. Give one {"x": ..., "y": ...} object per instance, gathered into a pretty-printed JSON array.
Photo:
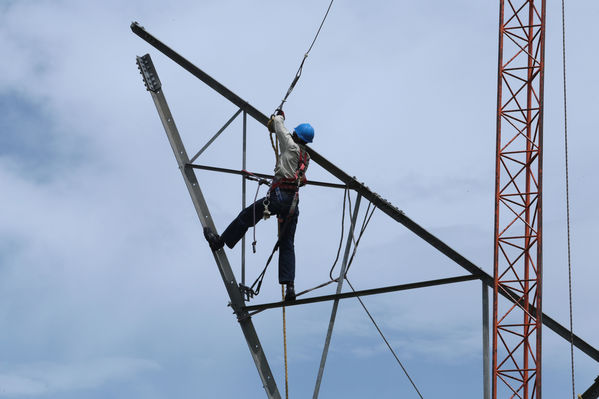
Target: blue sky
[{"x": 107, "y": 288}]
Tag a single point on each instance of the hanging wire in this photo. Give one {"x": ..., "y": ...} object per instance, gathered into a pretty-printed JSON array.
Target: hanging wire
[
  {"x": 254, "y": 216},
  {"x": 365, "y": 222},
  {"x": 345, "y": 194},
  {"x": 385, "y": 339},
  {"x": 351, "y": 212},
  {"x": 367, "y": 216},
  {"x": 568, "y": 195},
  {"x": 299, "y": 71}
]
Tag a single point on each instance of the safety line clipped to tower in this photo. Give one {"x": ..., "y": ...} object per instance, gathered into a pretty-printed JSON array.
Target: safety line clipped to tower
[
  {"x": 299, "y": 70},
  {"x": 298, "y": 74}
]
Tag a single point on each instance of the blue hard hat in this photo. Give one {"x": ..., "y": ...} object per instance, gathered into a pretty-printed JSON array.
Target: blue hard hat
[{"x": 305, "y": 131}]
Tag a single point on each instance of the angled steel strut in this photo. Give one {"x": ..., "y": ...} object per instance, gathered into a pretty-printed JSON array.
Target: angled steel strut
[
  {"x": 154, "y": 86},
  {"x": 592, "y": 392},
  {"x": 364, "y": 191}
]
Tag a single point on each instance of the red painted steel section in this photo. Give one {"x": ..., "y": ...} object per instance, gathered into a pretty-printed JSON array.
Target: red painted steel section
[{"x": 518, "y": 194}]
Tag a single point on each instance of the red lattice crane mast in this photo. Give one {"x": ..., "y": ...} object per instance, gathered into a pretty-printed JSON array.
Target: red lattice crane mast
[{"x": 517, "y": 256}]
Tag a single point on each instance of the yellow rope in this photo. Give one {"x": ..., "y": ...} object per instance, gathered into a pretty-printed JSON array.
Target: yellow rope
[
  {"x": 275, "y": 148},
  {"x": 285, "y": 345}
]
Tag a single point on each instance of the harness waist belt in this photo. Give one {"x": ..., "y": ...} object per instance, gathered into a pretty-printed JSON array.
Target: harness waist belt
[
  {"x": 287, "y": 187},
  {"x": 284, "y": 185}
]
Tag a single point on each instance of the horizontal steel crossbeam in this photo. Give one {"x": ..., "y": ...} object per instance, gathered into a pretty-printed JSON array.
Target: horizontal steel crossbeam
[
  {"x": 261, "y": 175},
  {"x": 372, "y": 291}
]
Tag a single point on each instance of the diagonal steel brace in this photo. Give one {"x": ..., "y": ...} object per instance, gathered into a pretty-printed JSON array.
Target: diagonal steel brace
[{"x": 237, "y": 303}]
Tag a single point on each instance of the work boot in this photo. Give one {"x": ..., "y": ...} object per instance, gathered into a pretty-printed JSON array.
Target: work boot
[
  {"x": 290, "y": 292},
  {"x": 214, "y": 240}
]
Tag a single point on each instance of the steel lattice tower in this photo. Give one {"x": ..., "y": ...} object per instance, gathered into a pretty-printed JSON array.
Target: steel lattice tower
[
  {"x": 518, "y": 189},
  {"x": 518, "y": 213}
]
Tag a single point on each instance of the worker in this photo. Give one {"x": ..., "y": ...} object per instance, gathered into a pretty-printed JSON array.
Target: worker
[{"x": 281, "y": 199}]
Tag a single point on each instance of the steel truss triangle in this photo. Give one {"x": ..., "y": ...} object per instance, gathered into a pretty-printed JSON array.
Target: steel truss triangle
[
  {"x": 237, "y": 303},
  {"x": 187, "y": 169}
]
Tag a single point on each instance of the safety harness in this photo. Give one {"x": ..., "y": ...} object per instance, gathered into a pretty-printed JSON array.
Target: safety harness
[
  {"x": 299, "y": 177},
  {"x": 289, "y": 184}
]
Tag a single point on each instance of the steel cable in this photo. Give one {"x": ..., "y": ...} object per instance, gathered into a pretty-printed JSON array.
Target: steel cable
[
  {"x": 365, "y": 223},
  {"x": 385, "y": 339},
  {"x": 568, "y": 195}
]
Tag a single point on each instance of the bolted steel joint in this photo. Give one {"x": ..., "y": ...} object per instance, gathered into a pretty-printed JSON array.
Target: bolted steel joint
[{"x": 148, "y": 72}]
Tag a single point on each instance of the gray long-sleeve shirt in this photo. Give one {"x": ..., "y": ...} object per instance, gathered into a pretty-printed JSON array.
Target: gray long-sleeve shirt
[{"x": 289, "y": 151}]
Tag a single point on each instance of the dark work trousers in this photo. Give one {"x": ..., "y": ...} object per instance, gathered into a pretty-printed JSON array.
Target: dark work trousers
[{"x": 280, "y": 202}]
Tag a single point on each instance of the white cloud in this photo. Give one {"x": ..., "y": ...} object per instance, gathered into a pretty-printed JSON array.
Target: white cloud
[
  {"x": 408, "y": 108},
  {"x": 46, "y": 378}
]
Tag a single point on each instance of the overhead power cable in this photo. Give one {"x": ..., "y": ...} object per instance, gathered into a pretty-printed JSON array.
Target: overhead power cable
[
  {"x": 567, "y": 194},
  {"x": 299, "y": 70}
]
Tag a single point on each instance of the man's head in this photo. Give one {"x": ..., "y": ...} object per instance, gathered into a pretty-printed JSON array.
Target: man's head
[{"x": 304, "y": 132}]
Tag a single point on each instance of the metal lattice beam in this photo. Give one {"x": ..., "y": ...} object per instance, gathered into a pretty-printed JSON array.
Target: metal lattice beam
[{"x": 518, "y": 199}]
